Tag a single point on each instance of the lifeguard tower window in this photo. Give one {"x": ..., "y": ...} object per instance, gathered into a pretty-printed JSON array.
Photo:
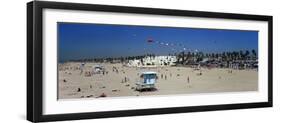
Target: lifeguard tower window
[{"x": 149, "y": 78}]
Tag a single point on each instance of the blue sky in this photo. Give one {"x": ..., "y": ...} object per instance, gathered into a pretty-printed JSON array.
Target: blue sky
[{"x": 79, "y": 41}]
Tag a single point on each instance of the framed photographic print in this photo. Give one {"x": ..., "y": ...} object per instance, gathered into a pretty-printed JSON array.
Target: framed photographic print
[{"x": 95, "y": 61}]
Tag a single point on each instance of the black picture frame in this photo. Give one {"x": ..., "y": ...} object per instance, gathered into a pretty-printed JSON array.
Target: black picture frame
[{"x": 35, "y": 69}]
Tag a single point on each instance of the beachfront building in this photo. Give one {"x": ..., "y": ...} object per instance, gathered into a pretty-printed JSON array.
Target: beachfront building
[{"x": 153, "y": 61}]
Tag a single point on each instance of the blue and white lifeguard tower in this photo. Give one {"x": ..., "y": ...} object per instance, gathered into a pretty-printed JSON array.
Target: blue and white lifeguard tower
[{"x": 147, "y": 81}]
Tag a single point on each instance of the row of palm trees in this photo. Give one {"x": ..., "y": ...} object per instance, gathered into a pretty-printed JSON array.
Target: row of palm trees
[{"x": 183, "y": 58}]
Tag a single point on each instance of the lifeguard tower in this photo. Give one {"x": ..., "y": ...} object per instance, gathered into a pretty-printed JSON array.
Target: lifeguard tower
[{"x": 147, "y": 81}]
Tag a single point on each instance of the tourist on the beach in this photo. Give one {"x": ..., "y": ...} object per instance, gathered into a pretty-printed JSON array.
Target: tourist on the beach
[
  {"x": 165, "y": 77},
  {"x": 188, "y": 79},
  {"x": 81, "y": 71},
  {"x": 81, "y": 68}
]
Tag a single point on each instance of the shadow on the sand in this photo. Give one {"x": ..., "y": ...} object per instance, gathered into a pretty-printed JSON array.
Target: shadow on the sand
[{"x": 148, "y": 90}]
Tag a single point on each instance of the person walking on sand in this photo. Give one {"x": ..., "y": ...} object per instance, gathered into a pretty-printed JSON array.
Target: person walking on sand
[
  {"x": 81, "y": 68},
  {"x": 188, "y": 82}
]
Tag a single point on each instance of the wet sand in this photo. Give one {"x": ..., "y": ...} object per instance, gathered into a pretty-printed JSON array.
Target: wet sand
[{"x": 171, "y": 80}]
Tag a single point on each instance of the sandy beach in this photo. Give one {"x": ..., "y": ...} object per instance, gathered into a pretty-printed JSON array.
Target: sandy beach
[{"x": 171, "y": 80}]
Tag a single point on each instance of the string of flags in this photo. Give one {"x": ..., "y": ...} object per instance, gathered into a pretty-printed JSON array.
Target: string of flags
[{"x": 177, "y": 47}]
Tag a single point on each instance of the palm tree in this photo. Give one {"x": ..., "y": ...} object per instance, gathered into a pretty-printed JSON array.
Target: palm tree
[
  {"x": 178, "y": 58},
  {"x": 212, "y": 55},
  {"x": 217, "y": 56},
  {"x": 200, "y": 56},
  {"x": 182, "y": 58},
  {"x": 247, "y": 54},
  {"x": 193, "y": 55},
  {"x": 224, "y": 56},
  {"x": 188, "y": 55},
  {"x": 241, "y": 55},
  {"x": 254, "y": 54},
  {"x": 228, "y": 56}
]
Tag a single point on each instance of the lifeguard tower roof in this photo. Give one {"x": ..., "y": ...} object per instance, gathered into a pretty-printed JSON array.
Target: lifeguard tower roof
[
  {"x": 100, "y": 66},
  {"x": 149, "y": 72}
]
